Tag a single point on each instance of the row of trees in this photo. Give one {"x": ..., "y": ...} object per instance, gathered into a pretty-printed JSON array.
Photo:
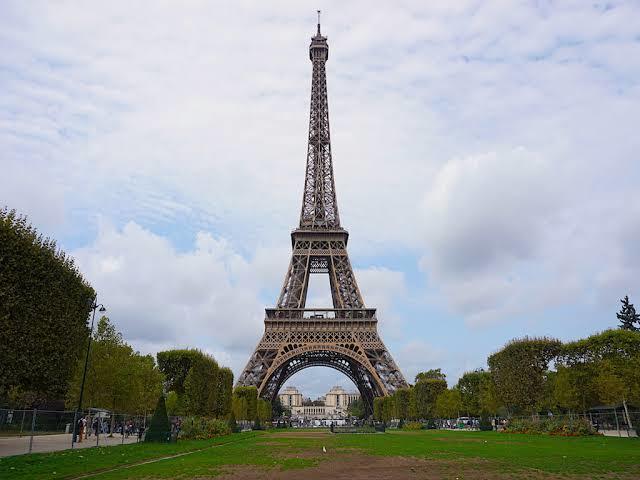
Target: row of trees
[
  {"x": 44, "y": 305},
  {"x": 527, "y": 376},
  {"x": 249, "y": 407},
  {"x": 196, "y": 384},
  {"x": 118, "y": 378}
]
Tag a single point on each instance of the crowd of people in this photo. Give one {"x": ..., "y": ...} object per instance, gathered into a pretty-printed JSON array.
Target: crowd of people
[{"x": 87, "y": 425}]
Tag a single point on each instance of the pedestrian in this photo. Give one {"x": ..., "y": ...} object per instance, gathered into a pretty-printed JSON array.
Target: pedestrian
[{"x": 81, "y": 423}]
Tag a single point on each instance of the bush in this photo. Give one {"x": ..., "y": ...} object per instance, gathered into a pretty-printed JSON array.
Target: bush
[
  {"x": 485, "y": 424},
  {"x": 200, "y": 428},
  {"x": 551, "y": 426},
  {"x": 412, "y": 426}
]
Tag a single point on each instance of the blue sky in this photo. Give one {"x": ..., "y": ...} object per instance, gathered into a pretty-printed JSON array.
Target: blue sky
[{"x": 485, "y": 156}]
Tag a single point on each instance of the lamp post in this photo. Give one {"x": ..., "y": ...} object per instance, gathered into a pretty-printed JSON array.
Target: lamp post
[{"x": 94, "y": 306}]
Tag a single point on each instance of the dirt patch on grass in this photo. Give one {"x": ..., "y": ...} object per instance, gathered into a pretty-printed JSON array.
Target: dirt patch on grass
[
  {"x": 350, "y": 466},
  {"x": 299, "y": 434}
]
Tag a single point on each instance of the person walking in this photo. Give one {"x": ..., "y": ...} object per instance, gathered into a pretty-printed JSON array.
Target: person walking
[{"x": 81, "y": 423}]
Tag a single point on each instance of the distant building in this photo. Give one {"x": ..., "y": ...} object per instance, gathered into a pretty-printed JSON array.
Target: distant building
[
  {"x": 290, "y": 397},
  {"x": 336, "y": 402},
  {"x": 338, "y": 399}
]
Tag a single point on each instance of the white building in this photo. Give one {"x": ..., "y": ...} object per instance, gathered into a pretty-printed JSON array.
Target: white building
[
  {"x": 336, "y": 402},
  {"x": 290, "y": 397},
  {"x": 339, "y": 399}
]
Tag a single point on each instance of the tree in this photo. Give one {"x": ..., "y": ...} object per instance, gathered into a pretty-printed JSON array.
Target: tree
[
  {"x": 200, "y": 386},
  {"x": 401, "y": 399},
  {"x": 44, "y": 307},
  {"x": 277, "y": 410},
  {"x": 628, "y": 316},
  {"x": 159, "y": 427},
  {"x": 378, "y": 407},
  {"x": 225, "y": 392},
  {"x": 433, "y": 374},
  {"x": 448, "y": 404},
  {"x": 246, "y": 403},
  {"x": 388, "y": 409},
  {"x": 469, "y": 386},
  {"x": 612, "y": 353},
  {"x": 118, "y": 378},
  {"x": 263, "y": 410},
  {"x": 357, "y": 409},
  {"x": 175, "y": 365},
  {"x": 426, "y": 392},
  {"x": 518, "y": 371}
]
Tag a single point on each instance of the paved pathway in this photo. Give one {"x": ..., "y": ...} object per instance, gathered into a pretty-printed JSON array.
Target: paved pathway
[{"x": 14, "y": 445}]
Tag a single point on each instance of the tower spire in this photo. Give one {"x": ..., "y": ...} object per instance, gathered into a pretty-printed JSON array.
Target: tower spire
[{"x": 319, "y": 204}]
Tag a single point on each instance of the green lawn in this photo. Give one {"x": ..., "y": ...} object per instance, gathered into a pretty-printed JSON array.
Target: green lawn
[{"x": 459, "y": 454}]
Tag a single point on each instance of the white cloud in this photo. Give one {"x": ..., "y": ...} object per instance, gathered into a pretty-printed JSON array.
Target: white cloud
[
  {"x": 160, "y": 298},
  {"x": 495, "y": 141}
]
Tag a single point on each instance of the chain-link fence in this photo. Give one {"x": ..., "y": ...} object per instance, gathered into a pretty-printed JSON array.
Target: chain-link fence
[{"x": 27, "y": 431}]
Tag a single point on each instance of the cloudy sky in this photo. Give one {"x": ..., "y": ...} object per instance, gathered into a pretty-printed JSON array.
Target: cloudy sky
[{"x": 486, "y": 161}]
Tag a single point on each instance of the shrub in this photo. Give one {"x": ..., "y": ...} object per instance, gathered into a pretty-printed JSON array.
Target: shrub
[
  {"x": 412, "y": 426},
  {"x": 159, "y": 429},
  {"x": 551, "y": 426},
  {"x": 200, "y": 428},
  {"x": 485, "y": 424}
]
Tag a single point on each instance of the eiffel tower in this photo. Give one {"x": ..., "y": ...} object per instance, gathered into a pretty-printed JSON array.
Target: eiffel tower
[{"x": 344, "y": 337}]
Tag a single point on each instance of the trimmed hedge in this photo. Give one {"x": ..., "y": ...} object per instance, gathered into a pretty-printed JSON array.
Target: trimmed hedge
[{"x": 201, "y": 428}]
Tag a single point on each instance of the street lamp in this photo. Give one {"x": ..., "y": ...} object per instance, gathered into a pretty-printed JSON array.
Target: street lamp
[{"x": 94, "y": 306}]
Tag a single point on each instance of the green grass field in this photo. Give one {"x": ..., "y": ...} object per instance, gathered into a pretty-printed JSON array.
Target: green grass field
[{"x": 299, "y": 454}]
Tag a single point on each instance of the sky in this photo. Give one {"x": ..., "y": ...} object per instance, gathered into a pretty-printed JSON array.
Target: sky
[{"x": 485, "y": 156}]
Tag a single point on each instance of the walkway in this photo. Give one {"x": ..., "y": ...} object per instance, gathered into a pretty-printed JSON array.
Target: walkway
[{"x": 15, "y": 445}]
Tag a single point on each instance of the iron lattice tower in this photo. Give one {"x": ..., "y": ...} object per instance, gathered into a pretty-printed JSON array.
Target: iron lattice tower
[{"x": 344, "y": 337}]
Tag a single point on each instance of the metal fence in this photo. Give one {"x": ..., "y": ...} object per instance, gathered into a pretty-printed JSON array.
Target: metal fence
[
  {"x": 27, "y": 431},
  {"x": 611, "y": 422}
]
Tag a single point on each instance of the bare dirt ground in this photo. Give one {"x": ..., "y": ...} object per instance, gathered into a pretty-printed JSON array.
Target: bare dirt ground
[{"x": 354, "y": 466}]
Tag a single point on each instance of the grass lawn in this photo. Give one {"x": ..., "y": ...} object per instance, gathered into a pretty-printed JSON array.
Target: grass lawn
[{"x": 282, "y": 454}]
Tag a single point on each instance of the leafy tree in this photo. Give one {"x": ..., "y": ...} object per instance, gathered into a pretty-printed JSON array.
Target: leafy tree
[
  {"x": 225, "y": 392},
  {"x": 118, "y": 378},
  {"x": 433, "y": 374},
  {"x": 357, "y": 409},
  {"x": 247, "y": 403},
  {"x": 263, "y": 408},
  {"x": 201, "y": 386},
  {"x": 469, "y": 386},
  {"x": 612, "y": 353},
  {"x": 448, "y": 404},
  {"x": 172, "y": 404},
  {"x": 176, "y": 364},
  {"x": 388, "y": 409},
  {"x": 159, "y": 426},
  {"x": 401, "y": 399},
  {"x": 200, "y": 392},
  {"x": 378, "y": 407},
  {"x": 426, "y": 393},
  {"x": 44, "y": 306},
  {"x": 628, "y": 316},
  {"x": 277, "y": 410},
  {"x": 239, "y": 408},
  {"x": 518, "y": 371}
]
